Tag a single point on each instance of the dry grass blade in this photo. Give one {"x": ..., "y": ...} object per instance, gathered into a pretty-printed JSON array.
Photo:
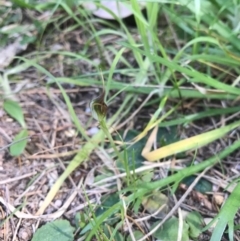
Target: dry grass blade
[{"x": 190, "y": 143}]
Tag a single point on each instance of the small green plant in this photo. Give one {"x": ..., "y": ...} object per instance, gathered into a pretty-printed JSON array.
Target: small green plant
[
  {"x": 60, "y": 230},
  {"x": 20, "y": 140}
]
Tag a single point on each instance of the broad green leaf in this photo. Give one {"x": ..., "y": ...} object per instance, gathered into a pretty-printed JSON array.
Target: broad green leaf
[
  {"x": 106, "y": 203},
  {"x": 202, "y": 186},
  {"x": 195, "y": 222},
  {"x": 132, "y": 153},
  {"x": 19, "y": 143},
  {"x": 15, "y": 111},
  {"x": 154, "y": 202},
  {"x": 169, "y": 230},
  {"x": 58, "y": 230},
  {"x": 137, "y": 235},
  {"x": 28, "y": 39}
]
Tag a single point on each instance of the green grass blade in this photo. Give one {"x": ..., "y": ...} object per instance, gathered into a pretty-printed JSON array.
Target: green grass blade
[{"x": 226, "y": 215}]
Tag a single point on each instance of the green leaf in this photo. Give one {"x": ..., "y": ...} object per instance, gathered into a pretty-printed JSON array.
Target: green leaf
[
  {"x": 28, "y": 39},
  {"x": 15, "y": 111},
  {"x": 169, "y": 230},
  {"x": 19, "y": 143},
  {"x": 167, "y": 136},
  {"x": 154, "y": 202},
  {"x": 59, "y": 230},
  {"x": 133, "y": 152},
  {"x": 137, "y": 235},
  {"x": 22, "y": 3},
  {"x": 195, "y": 222},
  {"x": 202, "y": 186},
  {"x": 106, "y": 203}
]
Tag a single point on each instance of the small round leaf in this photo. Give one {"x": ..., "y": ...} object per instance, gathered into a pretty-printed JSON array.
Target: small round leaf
[
  {"x": 15, "y": 111},
  {"x": 19, "y": 143},
  {"x": 58, "y": 230}
]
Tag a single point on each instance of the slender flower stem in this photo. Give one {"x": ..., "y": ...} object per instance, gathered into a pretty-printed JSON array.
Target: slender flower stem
[{"x": 103, "y": 125}]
